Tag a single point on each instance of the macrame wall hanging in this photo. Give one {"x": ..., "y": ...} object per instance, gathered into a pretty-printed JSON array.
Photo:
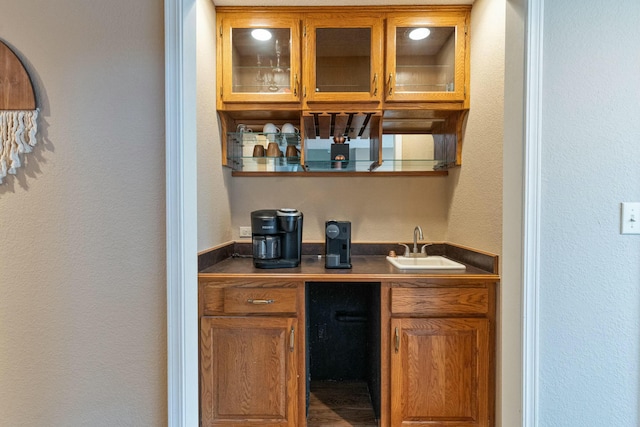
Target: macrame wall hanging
[{"x": 18, "y": 112}]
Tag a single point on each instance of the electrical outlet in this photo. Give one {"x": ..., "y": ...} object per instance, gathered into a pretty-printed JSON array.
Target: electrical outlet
[
  {"x": 630, "y": 218},
  {"x": 245, "y": 231}
]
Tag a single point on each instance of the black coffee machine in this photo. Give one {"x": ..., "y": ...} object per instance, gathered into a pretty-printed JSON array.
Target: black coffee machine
[
  {"x": 337, "y": 244},
  {"x": 277, "y": 238}
]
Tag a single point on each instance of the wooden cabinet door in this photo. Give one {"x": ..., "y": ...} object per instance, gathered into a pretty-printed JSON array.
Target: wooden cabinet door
[
  {"x": 440, "y": 372},
  {"x": 254, "y": 70},
  {"x": 343, "y": 58},
  {"x": 434, "y": 68},
  {"x": 248, "y": 371}
]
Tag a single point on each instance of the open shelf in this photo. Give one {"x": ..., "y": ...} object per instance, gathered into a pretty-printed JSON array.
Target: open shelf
[
  {"x": 343, "y": 354},
  {"x": 370, "y": 147}
]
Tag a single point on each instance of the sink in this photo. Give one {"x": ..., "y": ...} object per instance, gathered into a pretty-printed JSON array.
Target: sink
[{"x": 433, "y": 262}]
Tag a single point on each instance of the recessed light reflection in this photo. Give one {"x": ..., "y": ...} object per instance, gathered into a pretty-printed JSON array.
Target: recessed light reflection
[
  {"x": 419, "y": 33},
  {"x": 261, "y": 34}
]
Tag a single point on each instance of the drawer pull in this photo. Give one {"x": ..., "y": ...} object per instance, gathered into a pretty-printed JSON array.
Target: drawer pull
[
  {"x": 397, "y": 340},
  {"x": 261, "y": 301}
]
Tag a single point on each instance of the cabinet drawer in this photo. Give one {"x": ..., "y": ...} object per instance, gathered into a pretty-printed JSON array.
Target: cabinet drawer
[
  {"x": 260, "y": 300},
  {"x": 431, "y": 301}
]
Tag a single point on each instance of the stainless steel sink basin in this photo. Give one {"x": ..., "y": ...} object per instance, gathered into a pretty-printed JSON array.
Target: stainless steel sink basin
[{"x": 434, "y": 262}]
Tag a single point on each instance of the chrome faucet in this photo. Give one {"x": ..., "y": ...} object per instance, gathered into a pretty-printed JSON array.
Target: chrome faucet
[{"x": 417, "y": 232}]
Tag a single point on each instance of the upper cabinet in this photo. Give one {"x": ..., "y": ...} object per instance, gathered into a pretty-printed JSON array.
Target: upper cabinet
[
  {"x": 343, "y": 58},
  {"x": 375, "y": 79},
  {"x": 259, "y": 58},
  {"x": 427, "y": 57}
]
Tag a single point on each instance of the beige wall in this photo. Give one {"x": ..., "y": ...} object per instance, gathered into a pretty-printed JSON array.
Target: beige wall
[
  {"x": 82, "y": 279},
  {"x": 475, "y": 189},
  {"x": 214, "y": 212},
  {"x": 380, "y": 209}
]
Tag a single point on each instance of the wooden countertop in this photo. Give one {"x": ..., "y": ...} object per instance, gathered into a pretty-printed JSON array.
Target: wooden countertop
[{"x": 364, "y": 268}]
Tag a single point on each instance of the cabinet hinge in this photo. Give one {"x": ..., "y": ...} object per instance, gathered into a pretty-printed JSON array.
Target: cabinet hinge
[
  {"x": 465, "y": 91},
  {"x": 466, "y": 28},
  {"x": 221, "y": 31},
  {"x": 304, "y": 31}
]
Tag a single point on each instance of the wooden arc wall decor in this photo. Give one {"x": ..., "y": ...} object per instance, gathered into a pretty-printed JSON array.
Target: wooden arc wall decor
[{"x": 18, "y": 112}]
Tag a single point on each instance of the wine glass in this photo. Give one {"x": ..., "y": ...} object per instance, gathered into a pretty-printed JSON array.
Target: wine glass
[{"x": 278, "y": 69}]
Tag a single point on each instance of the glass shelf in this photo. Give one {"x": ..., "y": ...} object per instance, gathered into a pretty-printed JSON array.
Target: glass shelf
[
  {"x": 261, "y": 88},
  {"x": 267, "y": 164},
  {"x": 400, "y": 154},
  {"x": 338, "y": 166},
  {"x": 355, "y": 155},
  {"x": 242, "y": 154},
  {"x": 416, "y": 165},
  {"x": 246, "y": 139}
]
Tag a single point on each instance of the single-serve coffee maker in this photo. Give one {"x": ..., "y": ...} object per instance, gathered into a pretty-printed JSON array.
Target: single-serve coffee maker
[
  {"x": 277, "y": 238},
  {"x": 337, "y": 244}
]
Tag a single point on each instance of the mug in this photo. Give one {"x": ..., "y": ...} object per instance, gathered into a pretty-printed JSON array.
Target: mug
[
  {"x": 270, "y": 128},
  {"x": 338, "y": 163},
  {"x": 289, "y": 128},
  {"x": 258, "y": 151},
  {"x": 273, "y": 150},
  {"x": 291, "y": 151},
  {"x": 243, "y": 128}
]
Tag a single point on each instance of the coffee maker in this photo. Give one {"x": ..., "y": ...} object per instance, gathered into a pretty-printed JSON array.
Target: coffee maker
[
  {"x": 277, "y": 238},
  {"x": 337, "y": 244}
]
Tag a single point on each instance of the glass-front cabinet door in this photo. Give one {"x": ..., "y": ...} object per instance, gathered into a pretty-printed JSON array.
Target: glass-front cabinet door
[
  {"x": 343, "y": 59},
  {"x": 260, "y": 59},
  {"x": 426, "y": 58}
]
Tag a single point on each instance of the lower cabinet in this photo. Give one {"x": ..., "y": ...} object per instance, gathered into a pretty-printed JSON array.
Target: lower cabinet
[
  {"x": 441, "y": 354},
  {"x": 440, "y": 372},
  {"x": 248, "y": 371},
  {"x": 251, "y": 353},
  {"x": 420, "y": 352}
]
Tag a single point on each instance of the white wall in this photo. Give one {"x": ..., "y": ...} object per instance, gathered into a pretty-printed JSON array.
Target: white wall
[
  {"x": 509, "y": 372},
  {"x": 82, "y": 249},
  {"x": 590, "y": 274}
]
